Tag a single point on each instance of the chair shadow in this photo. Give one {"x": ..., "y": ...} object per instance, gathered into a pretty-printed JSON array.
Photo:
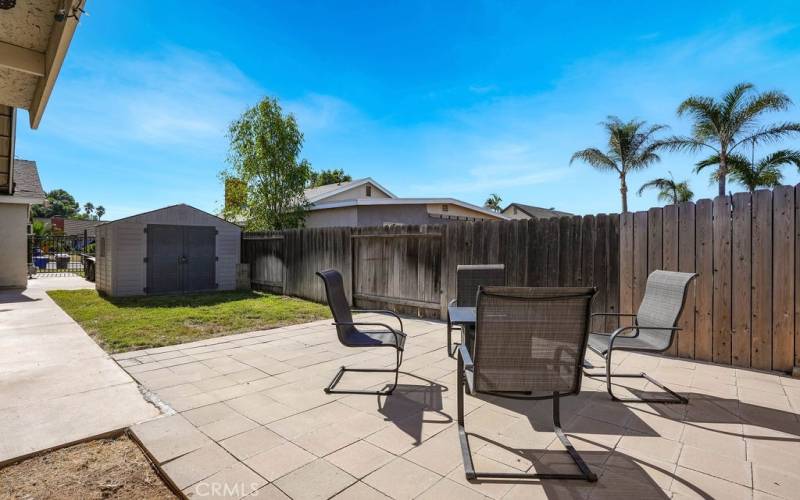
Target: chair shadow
[{"x": 408, "y": 405}]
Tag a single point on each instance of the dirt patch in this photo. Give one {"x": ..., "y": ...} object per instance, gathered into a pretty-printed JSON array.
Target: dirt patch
[{"x": 106, "y": 468}]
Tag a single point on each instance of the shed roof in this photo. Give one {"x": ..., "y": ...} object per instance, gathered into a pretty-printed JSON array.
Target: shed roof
[
  {"x": 169, "y": 208},
  {"x": 538, "y": 212}
]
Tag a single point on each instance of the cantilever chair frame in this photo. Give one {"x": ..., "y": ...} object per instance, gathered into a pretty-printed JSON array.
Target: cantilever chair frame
[
  {"x": 399, "y": 344},
  {"x": 672, "y": 396},
  {"x": 465, "y": 384},
  {"x": 331, "y": 389}
]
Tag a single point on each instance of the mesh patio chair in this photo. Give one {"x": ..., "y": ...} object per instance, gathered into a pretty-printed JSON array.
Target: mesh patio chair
[
  {"x": 653, "y": 330},
  {"x": 468, "y": 279},
  {"x": 360, "y": 334},
  {"x": 529, "y": 344}
]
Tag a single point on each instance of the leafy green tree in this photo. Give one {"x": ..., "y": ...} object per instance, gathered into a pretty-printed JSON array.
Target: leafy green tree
[
  {"x": 493, "y": 202},
  {"x": 765, "y": 172},
  {"x": 325, "y": 177},
  {"x": 264, "y": 148},
  {"x": 58, "y": 203},
  {"x": 668, "y": 190},
  {"x": 725, "y": 125},
  {"x": 631, "y": 147}
]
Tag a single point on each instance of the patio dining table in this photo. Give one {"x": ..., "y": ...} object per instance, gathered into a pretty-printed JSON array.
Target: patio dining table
[{"x": 465, "y": 318}]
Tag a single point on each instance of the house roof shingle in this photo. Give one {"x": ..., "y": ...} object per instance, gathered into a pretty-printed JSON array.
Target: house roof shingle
[{"x": 26, "y": 180}]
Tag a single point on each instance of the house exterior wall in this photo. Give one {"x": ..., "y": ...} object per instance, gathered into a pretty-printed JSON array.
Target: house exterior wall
[
  {"x": 515, "y": 213},
  {"x": 13, "y": 245},
  {"x": 356, "y": 193},
  {"x": 332, "y": 217},
  {"x": 456, "y": 210},
  {"x": 126, "y": 271}
]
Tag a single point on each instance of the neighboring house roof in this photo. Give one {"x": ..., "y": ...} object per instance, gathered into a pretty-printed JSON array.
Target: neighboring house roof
[
  {"x": 73, "y": 227},
  {"x": 406, "y": 201},
  {"x": 34, "y": 38},
  {"x": 314, "y": 195},
  {"x": 27, "y": 186},
  {"x": 538, "y": 212}
]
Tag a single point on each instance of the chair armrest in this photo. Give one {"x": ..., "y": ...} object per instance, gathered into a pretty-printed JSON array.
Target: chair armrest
[
  {"x": 397, "y": 334},
  {"x": 383, "y": 311},
  {"x": 618, "y": 332}
]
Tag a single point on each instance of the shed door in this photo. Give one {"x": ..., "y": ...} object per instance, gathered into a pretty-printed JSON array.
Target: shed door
[
  {"x": 180, "y": 258},
  {"x": 164, "y": 254},
  {"x": 200, "y": 264}
]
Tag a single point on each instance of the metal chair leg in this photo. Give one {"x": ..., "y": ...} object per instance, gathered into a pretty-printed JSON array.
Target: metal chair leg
[
  {"x": 384, "y": 392},
  {"x": 469, "y": 467},
  {"x": 674, "y": 397}
]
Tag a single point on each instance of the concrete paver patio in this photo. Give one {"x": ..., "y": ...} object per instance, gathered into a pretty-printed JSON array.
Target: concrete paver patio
[
  {"x": 250, "y": 416},
  {"x": 56, "y": 385}
]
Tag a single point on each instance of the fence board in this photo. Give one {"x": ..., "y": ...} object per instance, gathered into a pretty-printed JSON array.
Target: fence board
[
  {"x": 626, "y": 266},
  {"x": 741, "y": 279},
  {"x": 600, "y": 267},
  {"x": 783, "y": 286},
  {"x": 686, "y": 263},
  {"x": 761, "y": 322},
  {"x": 669, "y": 246},
  {"x": 722, "y": 280},
  {"x": 704, "y": 262},
  {"x": 612, "y": 276},
  {"x": 640, "y": 257}
]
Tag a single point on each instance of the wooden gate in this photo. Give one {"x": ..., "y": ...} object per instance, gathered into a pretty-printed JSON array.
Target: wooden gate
[{"x": 400, "y": 266}]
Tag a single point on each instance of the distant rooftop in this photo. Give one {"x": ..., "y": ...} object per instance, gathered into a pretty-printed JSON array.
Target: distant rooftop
[
  {"x": 26, "y": 180},
  {"x": 538, "y": 212}
]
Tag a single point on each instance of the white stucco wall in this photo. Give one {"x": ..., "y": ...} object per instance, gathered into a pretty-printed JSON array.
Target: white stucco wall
[
  {"x": 357, "y": 193},
  {"x": 13, "y": 245}
]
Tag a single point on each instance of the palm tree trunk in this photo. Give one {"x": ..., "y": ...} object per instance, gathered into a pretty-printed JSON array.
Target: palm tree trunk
[
  {"x": 623, "y": 191},
  {"x": 723, "y": 170}
]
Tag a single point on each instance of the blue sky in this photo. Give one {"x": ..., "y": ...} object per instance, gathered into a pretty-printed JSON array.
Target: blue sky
[{"x": 457, "y": 99}]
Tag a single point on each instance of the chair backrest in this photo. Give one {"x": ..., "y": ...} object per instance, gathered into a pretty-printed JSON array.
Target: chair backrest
[
  {"x": 531, "y": 339},
  {"x": 664, "y": 297},
  {"x": 470, "y": 277},
  {"x": 337, "y": 301}
]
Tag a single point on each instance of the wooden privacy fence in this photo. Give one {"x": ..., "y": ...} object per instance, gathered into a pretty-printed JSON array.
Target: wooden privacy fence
[
  {"x": 412, "y": 269},
  {"x": 743, "y": 307},
  {"x": 741, "y": 310}
]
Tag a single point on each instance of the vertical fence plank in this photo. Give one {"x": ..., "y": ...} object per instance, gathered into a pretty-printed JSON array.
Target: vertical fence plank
[
  {"x": 600, "y": 267},
  {"x": 626, "y": 266},
  {"x": 741, "y": 279},
  {"x": 587, "y": 250},
  {"x": 761, "y": 322},
  {"x": 703, "y": 340},
  {"x": 722, "y": 280},
  {"x": 670, "y": 245},
  {"x": 612, "y": 275},
  {"x": 796, "y": 370},
  {"x": 686, "y": 263},
  {"x": 640, "y": 256},
  {"x": 783, "y": 287},
  {"x": 553, "y": 248}
]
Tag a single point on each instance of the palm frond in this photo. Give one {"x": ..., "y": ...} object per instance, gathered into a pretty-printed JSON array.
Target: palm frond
[
  {"x": 595, "y": 158},
  {"x": 682, "y": 143},
  {"x": 769, "y": 134}
]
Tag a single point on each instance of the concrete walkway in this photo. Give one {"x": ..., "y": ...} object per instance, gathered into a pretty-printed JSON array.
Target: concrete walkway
[{"x": 56, "y": 385}]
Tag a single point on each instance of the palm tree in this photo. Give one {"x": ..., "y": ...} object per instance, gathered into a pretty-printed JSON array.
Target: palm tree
[
  {"x": 751, "y": 174},
  {"x": 100, "y": 211},
  {"x": 631, "y": 146},
  {"x": 493, "y": 202},
  {"x": 668, "y": 190},
  {"x": 724, "y": 125}
]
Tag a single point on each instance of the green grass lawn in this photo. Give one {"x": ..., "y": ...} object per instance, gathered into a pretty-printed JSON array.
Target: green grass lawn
[{"x": 125, "y": 324}]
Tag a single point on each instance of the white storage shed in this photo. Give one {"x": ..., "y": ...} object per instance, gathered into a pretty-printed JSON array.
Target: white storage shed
[{"x": 174, "y": 249}]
